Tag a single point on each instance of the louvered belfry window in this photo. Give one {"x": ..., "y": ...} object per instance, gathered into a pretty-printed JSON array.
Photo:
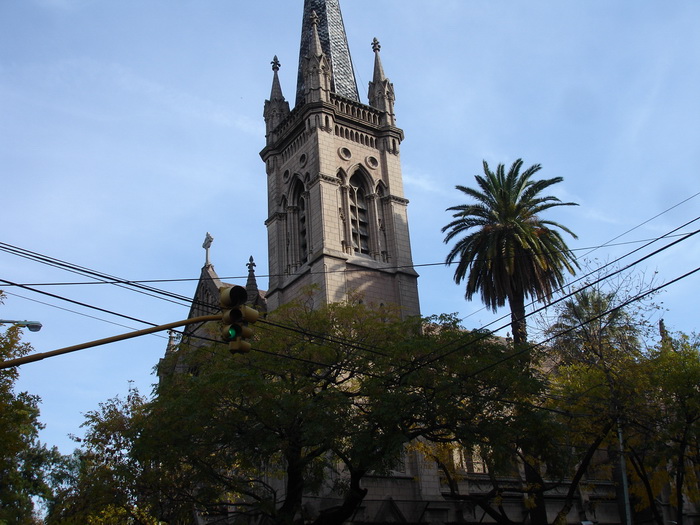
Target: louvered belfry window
[{"x": 359, "y": 221}]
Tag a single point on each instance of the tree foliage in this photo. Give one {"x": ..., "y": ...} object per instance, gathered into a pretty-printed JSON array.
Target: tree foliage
[
  {"x": 332, "y": 395},
  {"x": 508, "y": 252},
  {"x": 326, "y": 397},
  {"x": 102, "y": 483},
  {"x": 25, "y": 463},
  {"x": 664, "y": 430}
]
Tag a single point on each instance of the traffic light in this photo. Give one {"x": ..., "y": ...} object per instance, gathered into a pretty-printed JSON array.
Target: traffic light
[{"x": 235, "y": 318}]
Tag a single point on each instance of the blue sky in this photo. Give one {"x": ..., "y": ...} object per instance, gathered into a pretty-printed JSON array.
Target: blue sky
[{"x": 130, "y": 129}]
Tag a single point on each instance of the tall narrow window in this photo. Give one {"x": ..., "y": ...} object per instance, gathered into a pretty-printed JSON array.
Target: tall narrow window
[
  {"x": 298, "y": 225},
  {"x": 303, "y": 243},
  {"x": 359, "y": 220}
]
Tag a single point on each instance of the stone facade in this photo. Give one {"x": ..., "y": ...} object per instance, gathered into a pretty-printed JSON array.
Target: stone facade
[{"x": 337, "y": 214}]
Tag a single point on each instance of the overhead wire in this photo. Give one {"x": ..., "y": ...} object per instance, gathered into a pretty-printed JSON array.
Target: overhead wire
[
  {"x": 107, "y": 279},
  {"x": 74, "y": 311},
  {"x": 99, "y": 276},
  {"x": 117, "y": 280},
  {"x": 625, "y": 303},
  {"x": 79, "y": 303},
  {"x": 511, "y": 356},
  {"x": 319, "y": 336},
  {"x": 124, "y": 283},
  {"x": 128, "y": 283},
  {"x": 643, "y": 223},
  {"x": 568, "y": 295}
]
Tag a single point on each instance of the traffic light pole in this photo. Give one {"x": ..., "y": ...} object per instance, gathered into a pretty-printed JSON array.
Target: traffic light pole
[{"x": 43, "y": 355}]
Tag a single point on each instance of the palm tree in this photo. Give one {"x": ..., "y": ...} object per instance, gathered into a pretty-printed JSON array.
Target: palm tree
[
  {"x": 509, "y": 253},
  {"x": 591, "y": 330}
]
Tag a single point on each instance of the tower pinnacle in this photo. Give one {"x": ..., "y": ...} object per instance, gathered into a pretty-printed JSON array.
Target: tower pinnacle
[
  {"x": 277, "y": 108},
  {"x": 381, "y": 91},
  {"x": 334, "y": 43}
]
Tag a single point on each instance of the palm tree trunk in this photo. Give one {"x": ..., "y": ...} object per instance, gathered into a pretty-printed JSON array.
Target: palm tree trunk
[{"x": 518, "y": 326}]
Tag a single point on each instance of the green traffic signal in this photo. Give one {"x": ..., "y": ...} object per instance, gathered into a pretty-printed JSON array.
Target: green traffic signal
[
  {"x": 233, "y": 332},
  {"x": 235, "y": 318}
]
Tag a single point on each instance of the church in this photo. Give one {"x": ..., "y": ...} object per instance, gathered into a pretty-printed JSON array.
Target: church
[
  {"x": 337, "y": 220},
  {"x": 337, "y": 216}
]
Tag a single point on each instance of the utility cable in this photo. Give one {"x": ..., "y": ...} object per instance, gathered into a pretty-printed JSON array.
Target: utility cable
[
  {"x": 587, "y": 321},
  {"x": 566, "y": 296},
  {"x": 643, "y": 223},
  {"x": 75, "y": 312},
  {"x": 649, "y": 242},
  {"x": 583, "y": 323},
  {"x": 77, "y": 269},
  {"x": 321, "y": 336},
  {"x": 134, "y": 282},
  {"x": 70, "y": 267},
  {"x": 78, "y": 302}
]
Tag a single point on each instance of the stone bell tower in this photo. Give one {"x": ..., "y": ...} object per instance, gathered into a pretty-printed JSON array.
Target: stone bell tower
[{"x": 336, "y": 209}]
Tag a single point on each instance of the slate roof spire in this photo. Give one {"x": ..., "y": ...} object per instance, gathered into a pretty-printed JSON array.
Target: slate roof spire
[{"x": 334, "y": 43}]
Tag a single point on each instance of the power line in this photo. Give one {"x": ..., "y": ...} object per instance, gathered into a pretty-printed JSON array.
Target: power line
[
  {"x": 597, "y": 281},
  {"x": 337, "y": 340},
  {"x": 643, "y": 223},
  {"x": 638, "y": 297},
  {"x": 135, "y": 282},
  {"x": 102, "y": 277},
  {"x": 104, "y": 310},
  {"x": 672, "y": 233},
  {"x": 107, "y": 279},
  {"x": 74, "y": 312}
]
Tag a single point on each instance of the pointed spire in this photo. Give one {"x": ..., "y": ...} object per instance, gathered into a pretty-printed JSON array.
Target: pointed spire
[
  {"x": 315, "y": 50},
  {"x": 334, "y": 43},
  {"x": 315, "y": 68},
  {"x": 378, "y": 69},
  {"x": 277, "y": 108},
  {"x": 251, "y": 284},
  {"x": 381, "y": 91},
  {"x": 276, "y": 92}
]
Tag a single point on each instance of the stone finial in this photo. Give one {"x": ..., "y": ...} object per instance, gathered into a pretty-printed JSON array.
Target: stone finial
[
  {"x": 376, "y": 46},
  {"x": 275, "y": 64},
  {"x": 251, "y": 284},
  {"x": 314, "y": 18}
]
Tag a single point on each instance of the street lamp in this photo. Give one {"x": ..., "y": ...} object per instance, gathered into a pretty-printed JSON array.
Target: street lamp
[{"x": 34, "y": 326}]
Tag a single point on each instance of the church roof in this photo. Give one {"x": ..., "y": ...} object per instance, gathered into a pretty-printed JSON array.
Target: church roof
[
  {"x": 206, "y": 296},
  {"x": 334, "y": 42}
]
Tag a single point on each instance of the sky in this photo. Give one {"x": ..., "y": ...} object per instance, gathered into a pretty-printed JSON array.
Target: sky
[{"x": 130, "y": 129}]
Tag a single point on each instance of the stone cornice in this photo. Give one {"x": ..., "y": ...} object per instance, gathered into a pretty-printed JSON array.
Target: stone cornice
[
  {"x": 394, "y": 198},
  {"x": 275, "y": 217}
]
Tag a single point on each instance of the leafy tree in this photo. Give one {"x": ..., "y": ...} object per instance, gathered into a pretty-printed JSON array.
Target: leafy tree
[
  {"x": 492, "y": 412},
  {"x": 102, "y": 483},
  {"x": 599, "y": 370},
  {"x": 508, "y": 252},
  {"x": 326, "y": 397},
  {"x": 250, "y": 435},
  {"x": 24, "y": 462},
  {"x": 665, "y": 432}
]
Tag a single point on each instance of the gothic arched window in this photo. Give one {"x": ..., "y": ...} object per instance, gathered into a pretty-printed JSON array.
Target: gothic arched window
[
  {"x": 298, "y": 225},
  {"x": 303, "y": 242},
  {"x": 359, "y": 215}
]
